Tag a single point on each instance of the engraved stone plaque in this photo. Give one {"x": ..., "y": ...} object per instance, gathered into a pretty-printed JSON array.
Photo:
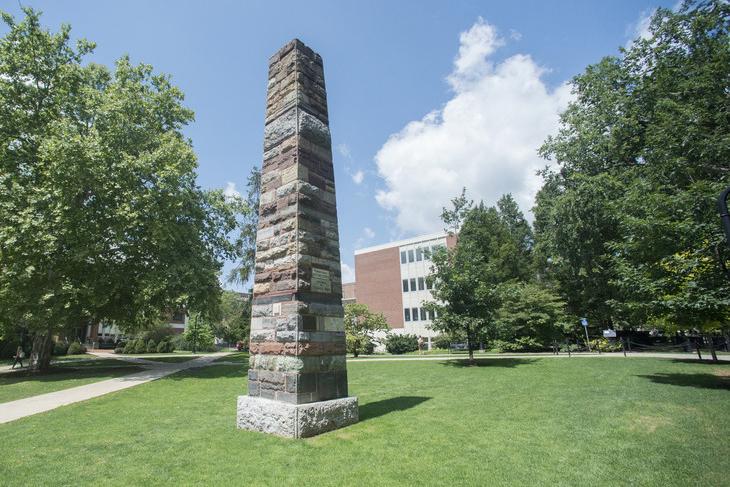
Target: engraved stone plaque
[{"x": 321, "y": 282}]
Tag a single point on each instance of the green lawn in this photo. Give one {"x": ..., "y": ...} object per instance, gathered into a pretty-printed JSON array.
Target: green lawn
[
  {"x": 239, "y": 357},
  {"x": 549, "y": 421},
  {"x": 20, "y": 384}
]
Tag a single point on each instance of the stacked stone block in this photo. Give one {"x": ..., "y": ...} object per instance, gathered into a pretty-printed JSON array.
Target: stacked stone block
[{"x": 297, "y": 332}]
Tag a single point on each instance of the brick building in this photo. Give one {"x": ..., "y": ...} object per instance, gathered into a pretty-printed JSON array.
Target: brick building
[{"x": 391, "y": 279}]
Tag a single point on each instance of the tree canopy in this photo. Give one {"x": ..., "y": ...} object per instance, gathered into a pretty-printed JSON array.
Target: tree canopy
[
  {"x": 627, "y": 224},
  {"x": 101, "y": 217}
]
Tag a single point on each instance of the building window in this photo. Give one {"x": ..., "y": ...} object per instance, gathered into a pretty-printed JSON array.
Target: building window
[
  {"x": 421, "y": 284},
  {"x": 423, "y": 314},
  {"x": 413, "y": 284},
  {"x": 414, "y": 312},
  {"x": 428, "y": 284},
  {"x": 419, "y": 254},
  {"x": 403, "y": 259},
  {"x": 430, "y": 315},
  {"x": 410, "y": 255},
  {"x": 407, "y": 313},
  {"x": 405, "y": 285},
  {"x": 178, "y": 316}
]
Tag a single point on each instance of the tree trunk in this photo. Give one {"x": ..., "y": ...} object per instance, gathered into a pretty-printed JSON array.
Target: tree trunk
[
  {"x": 471, "y": 350},
  {"x": 40, "y": 355}
]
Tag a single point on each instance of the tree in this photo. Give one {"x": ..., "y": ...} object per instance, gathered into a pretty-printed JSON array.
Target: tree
[
  {"x": 454, "y": 217},
  {"x": 493, "y": 249},
  {"x": 100, "y": 214},
  {"x": 361, "y": 324},
  {"x": 234, "y": 322},
  {"x": 574, "y": 222},
  {"x": 531, "y": 310},
  {"x": 241, "y": 273},
  {"x": 198, "y": 333},
  {"x": 645, "y": 145}
]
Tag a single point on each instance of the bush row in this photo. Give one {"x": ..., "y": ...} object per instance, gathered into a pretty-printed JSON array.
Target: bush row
[{"x": 140, "y": 345}]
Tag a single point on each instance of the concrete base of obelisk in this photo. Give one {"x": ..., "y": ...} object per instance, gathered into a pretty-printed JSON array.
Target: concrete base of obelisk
[{"x": 295, "y": 420}]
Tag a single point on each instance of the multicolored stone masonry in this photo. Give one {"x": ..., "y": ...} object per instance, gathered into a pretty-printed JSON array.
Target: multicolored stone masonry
[{"x": 297, "y": 331}]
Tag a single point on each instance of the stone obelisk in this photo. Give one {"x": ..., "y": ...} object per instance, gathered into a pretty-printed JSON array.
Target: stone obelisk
[{"x": 297, "y": 380}]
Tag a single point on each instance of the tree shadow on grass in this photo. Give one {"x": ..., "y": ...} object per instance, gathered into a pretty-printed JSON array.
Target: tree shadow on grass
[
  {"x": 700, "y": 381},
  {"x": 379, "y": 408},
  {"x": 490, "y": 362},
  {"x": 704, "y": 361},
  {"x": 55, "y": 374}
]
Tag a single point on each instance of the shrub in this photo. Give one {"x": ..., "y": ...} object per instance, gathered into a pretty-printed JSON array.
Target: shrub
[
  {"x": 442, "y": 341},
  {"x": 75, "y": 348},
  {"x": 140, "y": 346},
  {"x": 129, "y": 347},
  {"x": 522, "y": 344},
  {"x": 162, "y": 347},
  {"x": 397, "y": 344},
  {"x": 151, "y": 347},
  {"x": 178, "y": 342},
  {"x": 158, "y": 333},
  {"x": 119, "y": 350},
  {"x": 605, "y": 345},
  {"x": 573, "y": 347},
  {"x": 60, "y": 348}
]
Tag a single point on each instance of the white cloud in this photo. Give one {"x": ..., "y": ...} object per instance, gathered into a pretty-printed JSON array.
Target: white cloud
[
  {"x": 344, "y": 150},
  {"x": 358, "y": 177},
  {"x": 231, "y": 192},
  {"x": 348, "y": 273},
  {"x": 515, "y": 35},
  {"x": 640, "y": 28},
  {"x": 485, "y": 138},
  {"x": 367, "y": 234}
]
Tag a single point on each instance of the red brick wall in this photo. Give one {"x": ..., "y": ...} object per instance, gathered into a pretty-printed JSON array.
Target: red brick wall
[
  {"x": 348, "y": 290},
  {"x": 451, "y": 241},
  {"x": 379, "y": 285}
]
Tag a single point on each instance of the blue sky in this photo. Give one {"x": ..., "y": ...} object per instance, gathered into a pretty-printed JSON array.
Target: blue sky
[{"x": 424, "y": 97}]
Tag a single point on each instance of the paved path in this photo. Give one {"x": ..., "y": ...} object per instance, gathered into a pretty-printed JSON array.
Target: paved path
[
  {"x": 21, "y": 408},
  {"x": 683, "y": 356}
]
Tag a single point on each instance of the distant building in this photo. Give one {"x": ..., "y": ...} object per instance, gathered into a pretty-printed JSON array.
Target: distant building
[
  {"x": 105, "y": 332},
  {"x": 391, "y": 279}
]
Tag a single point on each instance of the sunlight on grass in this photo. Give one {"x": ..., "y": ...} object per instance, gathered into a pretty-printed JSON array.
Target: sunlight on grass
[{"x": 504, "y": 422}]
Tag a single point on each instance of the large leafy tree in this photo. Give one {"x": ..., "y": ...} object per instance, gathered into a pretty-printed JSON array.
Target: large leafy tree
[
  {"x": 643, "y": 152},
  {"x": 100, "y": 214},
  {"x": 493, "y": 249}
]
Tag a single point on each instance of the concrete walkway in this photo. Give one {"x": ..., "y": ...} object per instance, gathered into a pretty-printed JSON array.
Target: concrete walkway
[
  {"x": 10, "y": 411},
  {"x": 682, "y": 356}
]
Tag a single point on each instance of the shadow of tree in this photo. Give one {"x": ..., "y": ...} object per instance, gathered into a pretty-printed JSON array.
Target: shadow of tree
[
  {"x": 379, "y": 408},
  {"x": 64, "y": 373},
  {"x": 701, "y": 381},
  {"x": 489, "y": 362},
  {"x": 704, "y": 361}
]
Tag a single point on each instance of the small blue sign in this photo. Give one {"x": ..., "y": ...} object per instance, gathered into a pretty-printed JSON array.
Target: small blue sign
[{"x": 584, "y": 321}]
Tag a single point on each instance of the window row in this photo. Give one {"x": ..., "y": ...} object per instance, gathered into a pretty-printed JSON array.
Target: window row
[
  {"x": 418, "y": 254},
  {"x": 410, "y": 284},
  {"x": 418, "y": 314}
]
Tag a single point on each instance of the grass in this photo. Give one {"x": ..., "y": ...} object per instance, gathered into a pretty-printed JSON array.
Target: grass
[
  {"x": 519, "y": 421},
  {"x": 20, "y": 384},
  {"x": 239, "y": 357}
]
